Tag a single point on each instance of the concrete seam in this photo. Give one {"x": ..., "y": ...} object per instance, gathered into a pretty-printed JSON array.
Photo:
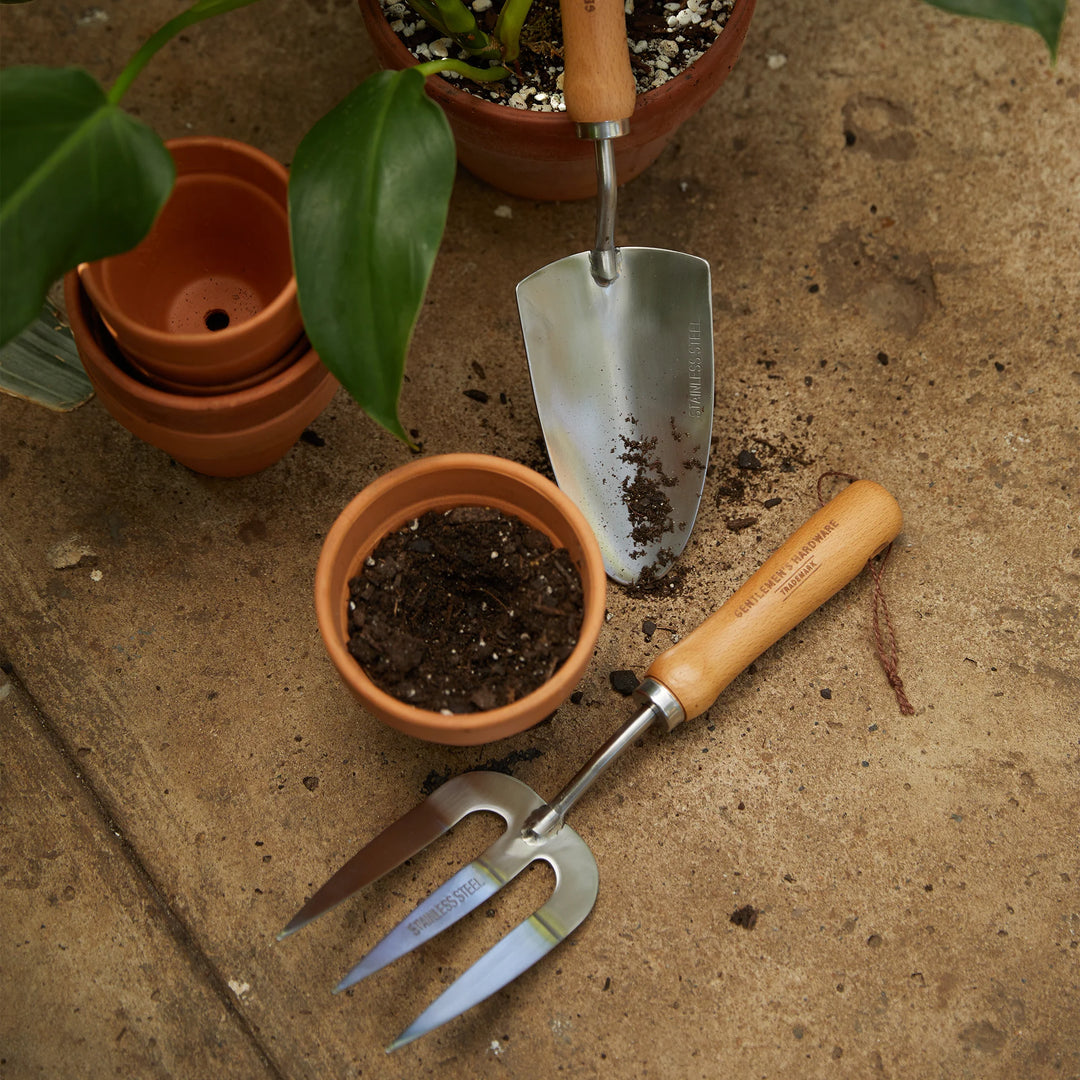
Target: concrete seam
[{"x": 178, "y": 929}]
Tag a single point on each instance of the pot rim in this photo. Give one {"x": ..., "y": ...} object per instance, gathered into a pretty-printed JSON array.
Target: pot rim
[
  {"x": 214, "y": 444},
  {"x": 286, "y": 298},
  {"x": 193, "y": 403},
  {"x": 342, "y": 555},
  {"x": 299, "y": 348}
]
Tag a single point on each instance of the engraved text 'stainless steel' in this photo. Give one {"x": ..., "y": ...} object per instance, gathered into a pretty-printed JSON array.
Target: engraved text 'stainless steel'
[
  {"x": 620, "y": 341},
  {"x": 817, "y": 561}
]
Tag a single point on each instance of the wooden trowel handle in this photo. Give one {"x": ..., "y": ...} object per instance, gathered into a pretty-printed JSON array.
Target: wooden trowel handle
[
  {"x": 818, "y": 560},
  {"x": 598, "y": 84}
]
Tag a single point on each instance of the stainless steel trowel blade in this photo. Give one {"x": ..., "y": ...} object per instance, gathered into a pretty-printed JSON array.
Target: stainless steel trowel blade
[{"x": 622, "y": 375}]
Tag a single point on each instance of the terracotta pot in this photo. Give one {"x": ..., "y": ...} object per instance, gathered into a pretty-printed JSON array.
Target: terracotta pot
[
  {"x": 277, "y": 366},
  {"x": 440, "y": 483},
  {"x": 538, "y": 155},
  {"x": 209, "y": 296},
  {"x": 233, "y": 434}
]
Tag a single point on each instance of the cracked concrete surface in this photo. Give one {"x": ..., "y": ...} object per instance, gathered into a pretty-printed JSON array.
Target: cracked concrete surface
[{"x": 889, "y": 201}]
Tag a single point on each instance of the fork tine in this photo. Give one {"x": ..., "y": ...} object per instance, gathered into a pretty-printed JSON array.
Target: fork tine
[
  {"x": 451, "y": 901},
  {"x": 471, "y": 885},
  {"x": 413, "y": 831},
  {"x": 401, "y": 840},
  {"x": 572, "y": 900}
]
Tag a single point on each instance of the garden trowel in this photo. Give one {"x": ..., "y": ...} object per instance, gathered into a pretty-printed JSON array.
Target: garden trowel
[{"x": 619, "y": 341}]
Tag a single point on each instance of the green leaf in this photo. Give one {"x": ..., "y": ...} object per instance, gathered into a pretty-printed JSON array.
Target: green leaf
[
  {"x": 1045, "y": 17},
  {"x": 79, "y": 180},
  {"x": 368, "y": 196},
  {"x": 42, "y": 364}
]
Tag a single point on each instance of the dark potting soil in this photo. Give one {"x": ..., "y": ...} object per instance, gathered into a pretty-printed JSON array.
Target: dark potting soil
[
  {"x": 464, "y": 610},
  {"x": 665, "y": 38}
]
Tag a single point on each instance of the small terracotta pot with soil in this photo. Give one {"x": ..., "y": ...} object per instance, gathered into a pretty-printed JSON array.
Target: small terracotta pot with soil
[
  {"x": 538, "y": 155},
  {"x": 208, "y": 298},
  {"x": 466, "y": 582}
]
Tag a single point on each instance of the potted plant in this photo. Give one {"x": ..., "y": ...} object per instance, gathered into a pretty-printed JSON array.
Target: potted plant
[
  {"x": 535, "y": 152},
  {"x": 414, "y": 500},
  {"x": 362, "y": 269}
]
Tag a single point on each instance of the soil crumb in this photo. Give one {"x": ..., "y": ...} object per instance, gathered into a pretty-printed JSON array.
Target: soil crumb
[{"x": 746, "y": 917}]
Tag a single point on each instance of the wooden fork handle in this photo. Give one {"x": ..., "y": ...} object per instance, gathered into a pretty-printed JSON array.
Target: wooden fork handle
[
  {"x": 818, "y": 560},
  {"x": 598, "y": 84}
]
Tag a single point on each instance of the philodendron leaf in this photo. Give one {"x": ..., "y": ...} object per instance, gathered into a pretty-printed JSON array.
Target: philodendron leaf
[
  {"x": 368, "y": 195},
  {"x": 79, "y": 180},
  {"x": 1045, "y": 17}
]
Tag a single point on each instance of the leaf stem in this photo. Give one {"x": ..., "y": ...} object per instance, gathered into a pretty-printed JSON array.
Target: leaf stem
[
  {"x": 437, "y": 67},
  {"x": 508, "y": 26},
  {"x": 200, "y": 10},
  {"x": 453, "y": 18}
]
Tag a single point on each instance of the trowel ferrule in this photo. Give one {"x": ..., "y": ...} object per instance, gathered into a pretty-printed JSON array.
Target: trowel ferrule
[{"x": 602, "y": 129}]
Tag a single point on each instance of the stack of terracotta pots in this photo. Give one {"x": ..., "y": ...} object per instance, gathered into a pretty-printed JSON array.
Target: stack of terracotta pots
[{"x": 193, "y": 340}]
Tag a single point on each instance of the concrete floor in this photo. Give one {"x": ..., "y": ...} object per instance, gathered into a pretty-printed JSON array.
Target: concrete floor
[{"x": 181, "y": 766}]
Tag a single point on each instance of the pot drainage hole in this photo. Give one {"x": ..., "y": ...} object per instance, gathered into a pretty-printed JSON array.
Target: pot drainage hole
[{"x": 216, "y": 319}]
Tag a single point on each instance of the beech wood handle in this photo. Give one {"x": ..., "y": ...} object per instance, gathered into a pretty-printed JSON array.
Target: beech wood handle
[
  {"x": 818, "y": 560},
  {"x": 598, "y": 84}
]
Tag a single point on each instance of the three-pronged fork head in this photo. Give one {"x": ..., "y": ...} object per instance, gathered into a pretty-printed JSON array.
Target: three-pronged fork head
[{"x": 576, "y": 884}]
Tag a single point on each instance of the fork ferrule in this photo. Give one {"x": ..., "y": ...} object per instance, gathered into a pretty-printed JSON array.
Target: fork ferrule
[
  {"x": 548, "y": 819},
  {"x": 540, "y": 824},
  {"x": 663, "y": 700}
]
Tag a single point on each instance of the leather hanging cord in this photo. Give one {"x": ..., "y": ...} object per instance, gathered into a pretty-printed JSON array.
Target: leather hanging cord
[{"x": 884, "y": 634}]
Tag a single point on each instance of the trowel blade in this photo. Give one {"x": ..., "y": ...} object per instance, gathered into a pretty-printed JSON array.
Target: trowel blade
[{"x": 622, "y": 375}]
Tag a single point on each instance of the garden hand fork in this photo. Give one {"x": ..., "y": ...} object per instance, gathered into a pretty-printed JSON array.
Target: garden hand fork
[{"x": 819, "y": 559}]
